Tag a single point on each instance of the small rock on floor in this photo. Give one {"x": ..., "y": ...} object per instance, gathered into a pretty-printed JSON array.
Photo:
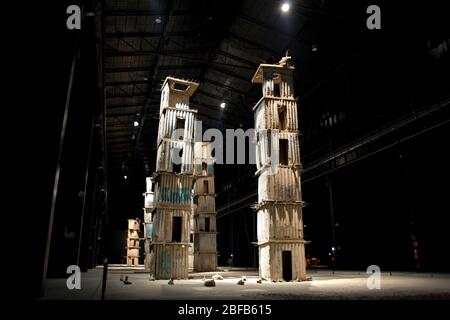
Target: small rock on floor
[
  {"x": 210, "y": 283},
  {"x": 241, "y": 282}
]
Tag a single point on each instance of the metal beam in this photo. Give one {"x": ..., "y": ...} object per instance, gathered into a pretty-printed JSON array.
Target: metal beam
[
  {"x": 121, "y": 105},
  {"x": 265, "y": 25},
  {"x": 147, "y": 68},
  {"x": 222, "y": 85},
  {"x": 123, "y": 83},
  {"x": 150, "y": 34},
  {"x": 122, "y": 114},
  {"x": 236, "y": 58},
  {"x": 143, "y": 13},
  {"x": 216, "y": 108},
  {"x": 151, "y": 52},
  {"x": 178, "y": 67},
  {"x": 253, "y": 43},
  {"x": 123, "y": 95},
  {"x": 215, "y": 97},
  {"x": 232, "y": 74}
]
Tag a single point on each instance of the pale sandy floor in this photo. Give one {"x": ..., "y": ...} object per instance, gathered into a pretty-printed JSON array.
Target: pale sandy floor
[{"x": 324, "y": 285}]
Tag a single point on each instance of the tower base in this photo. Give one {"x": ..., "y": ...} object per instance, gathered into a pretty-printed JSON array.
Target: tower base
[
  {"x": 205, "y": 261},
  {"x": 171, "y": 260},
  {"x": 282, "y": 261}
]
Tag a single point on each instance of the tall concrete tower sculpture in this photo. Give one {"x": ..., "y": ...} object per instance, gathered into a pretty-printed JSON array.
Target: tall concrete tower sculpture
[
  {"x": 279, "y": 208},
  {"x": 174, "y": 181},
  {"x": 205, "y": 231}
]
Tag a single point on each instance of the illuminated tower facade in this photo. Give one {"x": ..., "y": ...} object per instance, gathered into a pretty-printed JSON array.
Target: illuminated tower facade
[
  {"x": 174, "y": 181},
  {"x": 279, "y": 208}
]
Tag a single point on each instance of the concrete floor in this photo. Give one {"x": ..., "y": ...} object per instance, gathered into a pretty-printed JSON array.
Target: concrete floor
[{"x": 324, "y": 285}]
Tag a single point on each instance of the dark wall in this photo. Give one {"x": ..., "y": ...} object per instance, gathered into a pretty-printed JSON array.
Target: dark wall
[{"x": 53, "y": 47}]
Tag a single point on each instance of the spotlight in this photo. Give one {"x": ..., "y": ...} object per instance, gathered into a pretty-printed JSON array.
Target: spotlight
[
  {"x": 223, "y": 105},
  {"x": 136, "y": 124},
  {"x": 125, "y": 177},
  {"x": 285, "y": 7},
  {"x": 314, "y": 48},
  {"x": 158, "y": 20}
]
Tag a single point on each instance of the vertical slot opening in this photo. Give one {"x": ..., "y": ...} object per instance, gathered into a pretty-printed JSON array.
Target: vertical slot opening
[
  {"x": 276, "y": 78},
  {"x": 176, "y": 229},
  {"x": 283, "y": 157},
  {"x": 206, "y": 224}
]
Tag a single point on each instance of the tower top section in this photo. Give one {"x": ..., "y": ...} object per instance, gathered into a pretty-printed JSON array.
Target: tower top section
[
  {"x": 180, "y": 86},
  {"x": 265, "y": 69},
  {"x": 175, "y": 93}
]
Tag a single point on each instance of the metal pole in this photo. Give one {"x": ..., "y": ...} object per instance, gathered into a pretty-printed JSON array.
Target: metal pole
[
  {"x": 85, "y": 191},
  {"x": 333, "y": 232},
  {"x": 58, "y": 162},
  {"x": 105, "y": 233}
]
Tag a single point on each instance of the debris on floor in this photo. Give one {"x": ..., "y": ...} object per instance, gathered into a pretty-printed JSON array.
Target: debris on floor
[
  {"x": 217, "y": 277},
  {"x": 124, "y": 280},
  {"x": 210, "y": 283}
]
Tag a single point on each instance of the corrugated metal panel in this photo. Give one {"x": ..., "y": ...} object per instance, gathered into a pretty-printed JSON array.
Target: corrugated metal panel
[
  {"x": 206, "y": 203},
  {"x": 200, "y": 221},
  {"x": 173, "y": 99},
  {"x": 207, "y": 242},
  {"x": 267, "y": 114},
  {"x": 260, "y": 119},
  {"x": 148, "y": 230},
  {"x": 264, "y": 262},
  {"x": 280, "y": 221},
  {"x": 147, "y": 216},
  {"x": 205, "y": 261},
  {"x": 282, "y": 186},
  {"x": 165, "y": 154},
  {"x": 171, "y": 261},
  {"x": 168, "y": 121},
  {"x": 162, "y": 224},
  {"x": 148, "y": 255},
  {"x": 149, "y": 184},
  {"x": 293, "y": 146},
  {"x": 149, "y": 200},
  {"x": 298, "y": 260},
  {"x": 200, "y": 187},
  {"x": 175, "y": 190},
  {"x": 268, "y": 145}
]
